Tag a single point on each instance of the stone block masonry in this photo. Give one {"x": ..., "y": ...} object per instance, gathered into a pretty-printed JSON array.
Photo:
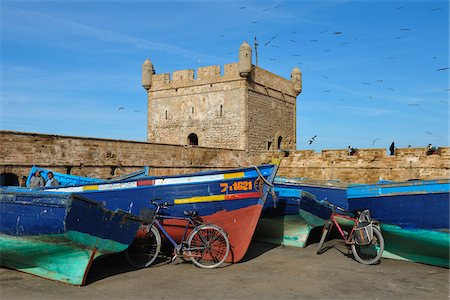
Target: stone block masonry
[
  {"x": 222, "y": 111},
  {"x": 106, "y": 158}
]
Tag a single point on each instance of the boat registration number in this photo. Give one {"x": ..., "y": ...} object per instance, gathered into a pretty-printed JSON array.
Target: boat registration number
[{"x": 236, "y": 186}]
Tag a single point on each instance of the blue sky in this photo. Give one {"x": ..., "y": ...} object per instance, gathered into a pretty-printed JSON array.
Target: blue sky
[{"x": 371, "y": 69}]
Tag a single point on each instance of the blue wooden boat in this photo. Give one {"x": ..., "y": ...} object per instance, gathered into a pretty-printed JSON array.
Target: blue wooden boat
[
  {"x": 232, "y": 199},
  {"x": 289, "y": 224},
  {"x": 414, "y": 217},
  {"x": 58, "y": 235},
  {"x": 70, "y": 180},
  {"x": 280, "y": 221},
  {"x": 333, "y": 191}
]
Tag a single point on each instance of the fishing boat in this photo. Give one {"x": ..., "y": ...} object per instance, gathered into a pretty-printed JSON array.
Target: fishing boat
[
  {"x": 281, "y": 222},
  {"x": 284, "y": 221},
  {"x": 70, "y": 180},
  {"x": 232, "y": 199},
  {"x": 333, "y": 191},
  {"x": 414, "y": 217},
  {"x": 58, "y": 235}
]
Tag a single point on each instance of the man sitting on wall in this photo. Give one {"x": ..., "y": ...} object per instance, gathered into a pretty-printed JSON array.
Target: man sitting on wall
[
  {"x": 36, "y": 180},
  {"x": 51, "y": 180}
]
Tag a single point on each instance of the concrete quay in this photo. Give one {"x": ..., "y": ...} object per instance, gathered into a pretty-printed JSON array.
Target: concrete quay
[{"x": 267, "y": 272}]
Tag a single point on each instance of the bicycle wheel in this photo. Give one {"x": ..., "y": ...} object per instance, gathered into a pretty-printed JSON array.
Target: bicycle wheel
[
  {"x": 143, "y": 251},
  {"x": 325, "y": 230},
  {"x": 208, "y": 246},
  {"x": 371, "y": 253}
]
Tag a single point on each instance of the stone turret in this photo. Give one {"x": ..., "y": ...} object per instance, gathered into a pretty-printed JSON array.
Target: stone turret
[
  {"x": 147, "y": 74},
  {"x": 245, "y": 60},
  {"x": 296, "y": 77},
  {"x": 238, "y": 106}
]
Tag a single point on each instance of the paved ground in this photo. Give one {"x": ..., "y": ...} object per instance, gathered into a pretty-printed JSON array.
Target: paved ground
[{"x": 267, "y": 272}]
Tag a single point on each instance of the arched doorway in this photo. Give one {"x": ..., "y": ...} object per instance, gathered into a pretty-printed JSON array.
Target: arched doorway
[
  {"x": 193, "y": 139},
  {"x": 9, "y": 179},
  {"x": 280, "y": 143}
]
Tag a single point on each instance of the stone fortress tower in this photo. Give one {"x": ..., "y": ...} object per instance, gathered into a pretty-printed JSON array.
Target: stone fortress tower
[{"x": 246, "y": 108}]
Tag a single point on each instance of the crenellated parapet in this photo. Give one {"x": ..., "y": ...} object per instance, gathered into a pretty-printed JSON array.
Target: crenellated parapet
[{"x": 201, "y": 76}]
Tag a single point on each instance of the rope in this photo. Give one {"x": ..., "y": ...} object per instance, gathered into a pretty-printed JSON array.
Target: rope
[
  {"x": 261, "y": 176},
  {"x": 271, "y": 187}
]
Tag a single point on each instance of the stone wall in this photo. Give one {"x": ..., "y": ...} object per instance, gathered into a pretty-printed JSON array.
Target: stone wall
[
  {"x": 368, "y": 165},
  {"x": 106, "y": 158}
]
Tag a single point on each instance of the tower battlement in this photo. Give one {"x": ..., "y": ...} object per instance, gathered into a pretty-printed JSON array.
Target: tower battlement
[{"x": 240, "y": 106}]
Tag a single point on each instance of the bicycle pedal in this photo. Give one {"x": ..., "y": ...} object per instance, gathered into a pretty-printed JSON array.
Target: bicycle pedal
[
  {"x": 345, "y": 233},
  {"x": 173, "y": 258}
]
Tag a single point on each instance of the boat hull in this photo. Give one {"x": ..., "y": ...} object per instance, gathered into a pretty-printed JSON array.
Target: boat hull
[
  {"x": 280, "y": 221},
  {"x": 57, "y": 236},
  {"x": 414, "y": 217},
  {"x": 232, "y": 199}
]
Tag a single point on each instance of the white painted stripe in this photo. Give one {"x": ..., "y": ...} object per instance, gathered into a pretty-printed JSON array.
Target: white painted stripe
[
  {"x": 133, "y": 184},
  {"x": 193, "y": 179},
  {"x": 73, "y": 189},
  {"x": 120, "y": 185}
]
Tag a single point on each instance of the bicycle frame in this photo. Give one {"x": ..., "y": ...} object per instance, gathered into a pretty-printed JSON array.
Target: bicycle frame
[
  {"x": 333, "y": 219},
  {"x": 189, "y": 223}
]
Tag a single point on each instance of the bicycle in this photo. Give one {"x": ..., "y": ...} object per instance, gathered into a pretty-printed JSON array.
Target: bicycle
[
  {"x": 365, "y": 238},
  {"x": 207, "y": 245}
]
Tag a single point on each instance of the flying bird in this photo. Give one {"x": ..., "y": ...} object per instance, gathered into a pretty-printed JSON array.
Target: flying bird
[
  {"x": 390, "y": 89},
  {"x": 121, "y": 108},
  {"x": 326, "y": 91},
  {"x": 370, "y": 97},
  {"x": 311, "y": 140},
  {"x": 375, "y": 140},
  {"x": 268, "y": 42},
  {"x": 325, "y": 30},
  {"x": 326, "y": 77},
  {"x": 255, "y": 22},
  {"x": 327, "y": 50},
  {"x": 442, "y": 69},
  {"x": 398, "y": 8},
  {"x": 428, "y": 132},
  {"x": 294, "y": 41},
  {"x": 267, "y": 9},
  {"x": 243, "y": 7},
  {"x": 379, "y": 80},
  {"x": 404, "y": 29},
  {"x": 398, "y": 38},
  {"x": 313, "y": 40},
  {"x": 338, "y": 32}
]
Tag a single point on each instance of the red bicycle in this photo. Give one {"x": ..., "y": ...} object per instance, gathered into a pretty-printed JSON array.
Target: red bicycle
[{"x": 365, "y": 238}]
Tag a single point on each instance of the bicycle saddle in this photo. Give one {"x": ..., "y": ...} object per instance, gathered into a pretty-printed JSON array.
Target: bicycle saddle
[{"x": 191, "y": 213}]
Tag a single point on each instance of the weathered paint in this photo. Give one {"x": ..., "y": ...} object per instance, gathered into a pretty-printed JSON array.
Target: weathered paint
[
  {"x": 416, "y": 245},
  {"x": 56, "y": 236},
  {"x": 235, "y": 210},
  {"x": 61, "y": 257}
]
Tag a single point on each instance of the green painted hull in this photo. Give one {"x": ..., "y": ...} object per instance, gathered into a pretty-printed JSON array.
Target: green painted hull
[
  {"x": 289, "y": 230},
  {"x": 416, "y": 245},
  {"x": 61, "y": 257}
]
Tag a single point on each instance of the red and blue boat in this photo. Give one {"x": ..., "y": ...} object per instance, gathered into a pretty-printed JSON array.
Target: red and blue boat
[
  {"x": 58, "y": 235},
  {"x": 232, "y": 199},
  {"x": 414, "y": 217}
]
